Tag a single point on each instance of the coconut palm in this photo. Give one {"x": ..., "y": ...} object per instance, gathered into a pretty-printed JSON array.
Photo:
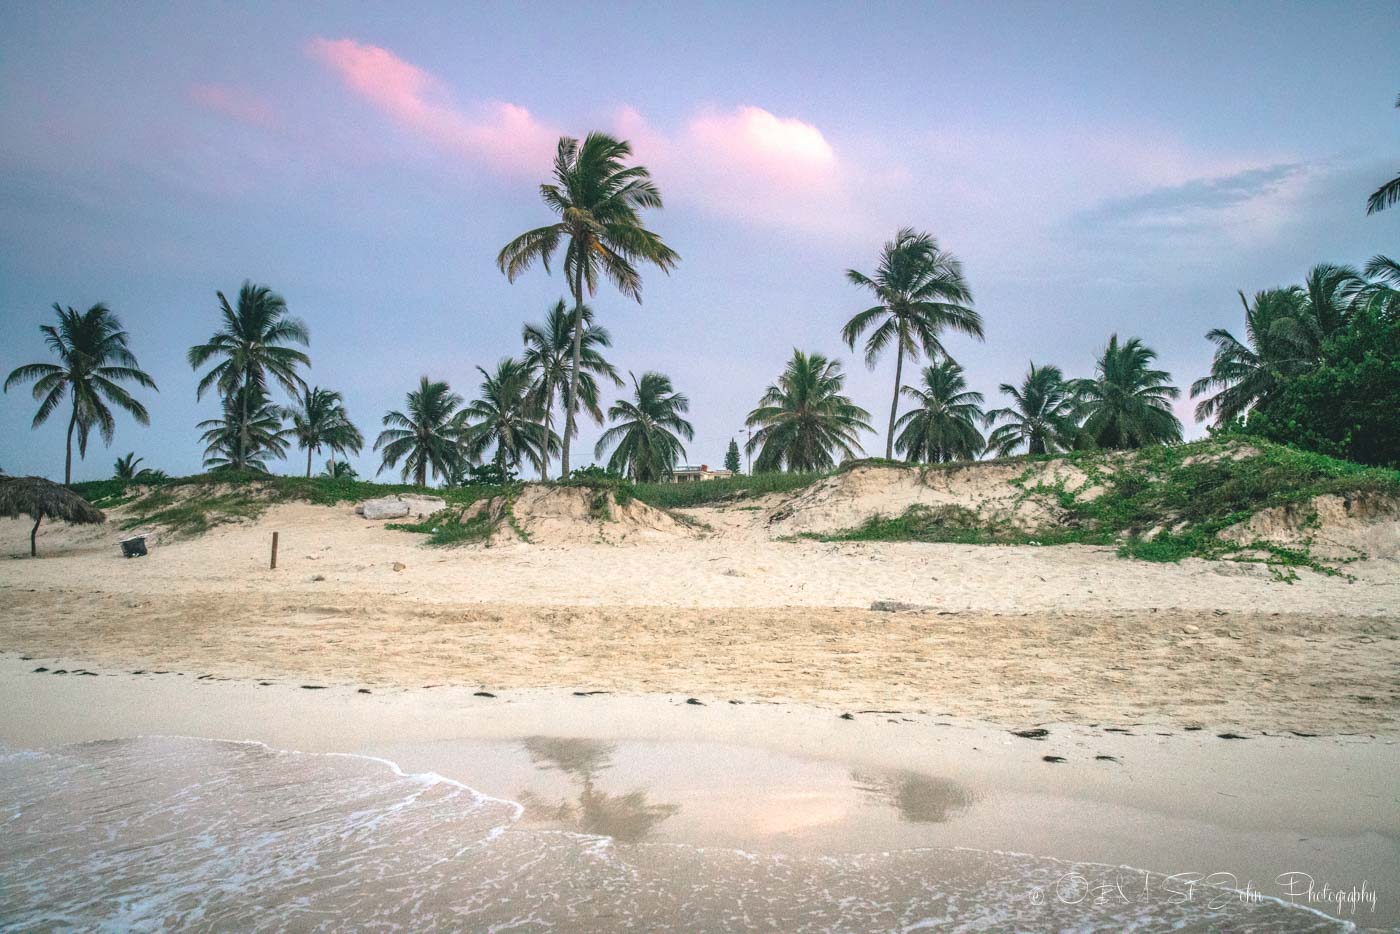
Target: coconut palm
[
  {"x": 1043, "y": 415},
  {"x": 427, "y": 436},
  {"x": 250, "y": 432},
  {"x": 944, "y": 426},
  {"x": 647, "y": 430},
  {"x": 339, "y": 470},
  {"x": 125, "y": 469},
  {"x": 599, "y": 202},
  {"x": 921, "y": 292},
  {"x": 1245, "y": 374},
  {"x": 1389, "y": 193},
  {"x": 803, "y": 419},
  {"x": 549, "y": 358},
  {"x": 1127, "y": 403},
  {"x": 319, "y": 420},
  {"x": 251, "y": 347},
  {"x": 93, "y": 359},
  {"x": 1330, "y": 293},
  {"x": 504, "y": 418}
]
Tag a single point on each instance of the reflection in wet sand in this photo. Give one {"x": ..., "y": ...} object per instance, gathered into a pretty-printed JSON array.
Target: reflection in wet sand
[
  {"x": 627, "y": 818},
  {"x": 919, "y": 798}
]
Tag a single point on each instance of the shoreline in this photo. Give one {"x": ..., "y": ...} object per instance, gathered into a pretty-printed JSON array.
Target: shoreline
[{"x": 1184, "y": 803}]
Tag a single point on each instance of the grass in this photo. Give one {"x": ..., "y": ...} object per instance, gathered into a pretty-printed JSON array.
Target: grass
[
  {"x": 193, "y": 505},
  {"x": 1159, "y": 504},
  {"x": 728, "y": 489}
]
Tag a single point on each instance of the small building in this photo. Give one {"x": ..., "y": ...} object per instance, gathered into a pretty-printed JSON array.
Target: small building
[{"x": 689, "y": 473}]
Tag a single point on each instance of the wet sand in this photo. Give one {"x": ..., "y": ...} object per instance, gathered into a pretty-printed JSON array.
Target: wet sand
[{"x": 798, "y": 780}]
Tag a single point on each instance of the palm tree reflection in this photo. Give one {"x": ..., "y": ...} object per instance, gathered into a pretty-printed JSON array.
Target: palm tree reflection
[
  {"x": 627, "y": 818},
  {"x": 919, "y": 798}
]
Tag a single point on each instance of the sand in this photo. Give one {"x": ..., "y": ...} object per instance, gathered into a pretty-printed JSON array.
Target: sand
[{"x": 1000, "y": 633}]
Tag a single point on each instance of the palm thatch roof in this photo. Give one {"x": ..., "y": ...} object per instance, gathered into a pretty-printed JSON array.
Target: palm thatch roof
[{"x": 39, "y": 498}]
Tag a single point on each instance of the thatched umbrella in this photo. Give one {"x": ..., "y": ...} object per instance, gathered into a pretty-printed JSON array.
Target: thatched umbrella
[{"x": 37, "y": 498}]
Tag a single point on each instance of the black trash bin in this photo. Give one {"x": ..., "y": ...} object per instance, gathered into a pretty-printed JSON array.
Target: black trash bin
[{"x": 134, "y": 547}]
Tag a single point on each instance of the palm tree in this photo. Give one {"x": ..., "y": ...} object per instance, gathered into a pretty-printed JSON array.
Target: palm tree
[
  {"x": 319, "y": 420},
  {"x": 1245, "y": 374},
  {"x": 251, "y": 346},
  {"x": 249, "y": 432},
  {"x": 1389, "y": 193},
  {"x": 339, "y": 470},
  {"x": 125, "y": 469},
  {"x": 428, "y": 437},
  {"x": 1127, "y": 403},
  {"x": 921, "y": 292},
  {"x": 1330, "y": 294},
  {"x": 1043, "y": 415},
  {"x": 804, "y": 417},
  {"x": 599, "y": 202},
  {"x": 549, "y": 358},
  {"x": 647, "y": 430},
  {"x": 93, "y": 358},
  {"x": 944, "y": 426},
  {"x": 503, "y": 417}
]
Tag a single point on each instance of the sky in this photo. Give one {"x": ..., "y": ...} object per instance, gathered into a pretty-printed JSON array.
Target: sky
[{"x": 1098, "y": 168}]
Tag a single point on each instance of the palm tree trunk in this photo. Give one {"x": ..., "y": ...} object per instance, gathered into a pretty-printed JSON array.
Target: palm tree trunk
[
  {"x": 571, "y": 398},
  {"x": 243, "y": 427},
  {"x": 33, "y": 548},
  {"x": 68, "y": 457},
  {"x": 308, "y": 463},
  {"x": 421, "y": 474},
  {"x": 548, "y": 426},
  {"x": 894, "y": 405}
]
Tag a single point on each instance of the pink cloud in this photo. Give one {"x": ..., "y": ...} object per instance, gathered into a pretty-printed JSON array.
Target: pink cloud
[
  {"x": 504, "y": 135},
  {"x": 751, "y": 164},
  {"x": 236, "y": 103}
]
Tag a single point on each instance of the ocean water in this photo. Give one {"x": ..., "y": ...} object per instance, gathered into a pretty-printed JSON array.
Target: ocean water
[{"x": 165, "y": 833}]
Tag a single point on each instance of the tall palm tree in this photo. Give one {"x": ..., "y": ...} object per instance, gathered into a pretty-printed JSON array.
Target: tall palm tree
[
  {"x": 425, "y": 437},
  {"x": 319, "y": 420},
  {"x": 599, "y": 201},
  {"x": 944, "y": 426},
  {"x": 1389, "y": 193},
  {"x": 504, "y": 418},
  {"x": 93, "y": 358},
  {"x": 252, "y": 346},
  {"x": 803, "y": 418},
  {"x": 1127, "y": 403},
  {"x": 1043, "y": 415},
  {"x": 1245, "y": 374},
  {"x": 921, "y": 292},
  {"x": 549, "y": 358},
  {"x": 249, "y": 432},
  {"x": 647, "y": 430}
]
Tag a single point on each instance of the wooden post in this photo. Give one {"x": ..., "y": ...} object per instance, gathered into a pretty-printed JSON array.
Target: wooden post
[{"x": 274, "y": 551}]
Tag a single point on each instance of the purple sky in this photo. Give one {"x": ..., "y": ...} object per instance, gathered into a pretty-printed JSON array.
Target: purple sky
[{"x": 1098, "y": 168}]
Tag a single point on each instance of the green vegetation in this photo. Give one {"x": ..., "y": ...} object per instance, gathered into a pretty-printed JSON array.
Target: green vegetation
[
  {"x": 1319, "y": 366},
  {"x": 94, "y": 357},
  {"x": 1162, "y": 503},
  {"x": 920, "y": 292},
  {"x": 448, "y": 527},
  {"x": 599, "y": 201},
  {"x": 647, "y": 430},
  {"x": 805, "y": 419},
  {"x": 193, "y": 505},
  {"x": 728, "y": 489}
]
